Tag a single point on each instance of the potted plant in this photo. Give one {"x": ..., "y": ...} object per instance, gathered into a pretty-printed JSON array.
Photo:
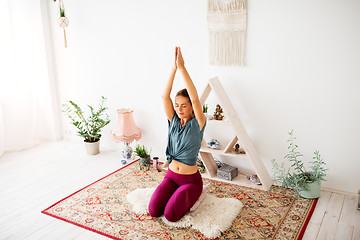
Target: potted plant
[
  {"x": 88, "y": 127},
  {"x": 306, "y": 183},
  {"x": 205, "y": 110},
  {"x": 143, "y": 153}
]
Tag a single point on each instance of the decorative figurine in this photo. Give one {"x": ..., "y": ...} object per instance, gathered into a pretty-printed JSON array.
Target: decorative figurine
[
  {"x": 218, "y": 114},
  {"x": 237, "y": 147},
  {"x": 238, "y": 150}
]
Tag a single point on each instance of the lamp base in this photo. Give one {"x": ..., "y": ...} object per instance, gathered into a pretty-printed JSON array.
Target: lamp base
[{"x": 126, "y": 151}]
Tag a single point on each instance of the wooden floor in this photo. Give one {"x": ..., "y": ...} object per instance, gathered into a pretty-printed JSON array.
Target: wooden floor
[{"x": 33, "y": 179}]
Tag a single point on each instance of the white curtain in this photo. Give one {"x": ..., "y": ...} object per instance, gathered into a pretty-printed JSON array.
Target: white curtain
[{"x": 29, "y": 109}]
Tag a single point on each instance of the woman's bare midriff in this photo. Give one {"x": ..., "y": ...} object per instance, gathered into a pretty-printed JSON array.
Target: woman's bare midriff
[{"x": 181, "y": 168}]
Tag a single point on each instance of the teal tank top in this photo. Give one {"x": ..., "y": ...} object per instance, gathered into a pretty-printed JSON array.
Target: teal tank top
[{"x": 184, "y": 142}]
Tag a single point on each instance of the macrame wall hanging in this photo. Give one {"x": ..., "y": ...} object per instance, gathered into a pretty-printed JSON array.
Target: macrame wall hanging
[
  {"x": 63, "y": 21},
  {"x": 227, "y": 20}
]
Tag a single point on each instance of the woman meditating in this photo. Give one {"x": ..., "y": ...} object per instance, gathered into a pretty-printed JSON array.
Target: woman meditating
[{"x": 182, "y": 184}]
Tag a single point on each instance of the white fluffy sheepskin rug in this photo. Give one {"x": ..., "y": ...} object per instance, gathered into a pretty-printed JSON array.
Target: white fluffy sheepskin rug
[{"x": 212, "y": 217}]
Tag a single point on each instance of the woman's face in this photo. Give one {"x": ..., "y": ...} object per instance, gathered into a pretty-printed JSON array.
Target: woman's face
[{"x": 183, "y": 107}]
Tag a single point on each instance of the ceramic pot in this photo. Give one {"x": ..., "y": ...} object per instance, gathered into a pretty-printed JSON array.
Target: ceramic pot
[
  {"x": 92, "y": 148},
  {"x": 313, "y": 190},
  {"x": 145, "y": 160},
  {"x": 126, "y": 151},
  {"x": 208, "y": 116}
]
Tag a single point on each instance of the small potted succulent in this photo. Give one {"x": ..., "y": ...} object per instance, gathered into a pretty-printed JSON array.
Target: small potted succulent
[
  {"x": 205, "y": 108},
  {"x": 306, "y": 182},
  {"x": 88, "y": 127},
  {"x": 143, "y": 154}
]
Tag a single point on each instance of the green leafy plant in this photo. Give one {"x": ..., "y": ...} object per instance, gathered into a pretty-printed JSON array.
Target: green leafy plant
[
  {"x": 205, "y": 108},
  {"x": 88, "y": 127},
  {"x": 62, "y": 12},
  {"x": 142, "y": 151},
  {"x": 296, "y": 176}
]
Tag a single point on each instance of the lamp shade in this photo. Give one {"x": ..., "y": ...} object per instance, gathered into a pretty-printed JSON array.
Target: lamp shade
[{"x": 125, "y": 129}]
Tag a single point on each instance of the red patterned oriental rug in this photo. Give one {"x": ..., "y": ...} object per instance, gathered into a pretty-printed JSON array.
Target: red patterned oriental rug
[{"x": 102, "y": 207}]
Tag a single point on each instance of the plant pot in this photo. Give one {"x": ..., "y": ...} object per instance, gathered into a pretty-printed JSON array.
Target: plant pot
[
  {"x": 92, "y": 148},
  {"x": 145, "y": 160},
  {"x": 208, "y": 116},
  {"x": 313, "y": 190}
]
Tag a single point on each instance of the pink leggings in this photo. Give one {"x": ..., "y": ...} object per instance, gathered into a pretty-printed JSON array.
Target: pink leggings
[{"x": 175, "y": 195}]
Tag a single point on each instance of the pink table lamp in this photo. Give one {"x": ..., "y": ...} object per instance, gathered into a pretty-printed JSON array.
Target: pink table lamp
[{"x": 126, "y": 131}]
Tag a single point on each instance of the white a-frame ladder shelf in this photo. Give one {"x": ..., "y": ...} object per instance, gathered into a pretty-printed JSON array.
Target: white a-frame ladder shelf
[{"x": 241, "y": 136}]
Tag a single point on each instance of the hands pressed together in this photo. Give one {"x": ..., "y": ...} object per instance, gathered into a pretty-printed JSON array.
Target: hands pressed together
[{"x": 179, "y": 60}]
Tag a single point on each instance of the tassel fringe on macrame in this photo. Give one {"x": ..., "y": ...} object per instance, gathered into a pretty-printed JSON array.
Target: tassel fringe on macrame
[{"x": 227, "y": 21}]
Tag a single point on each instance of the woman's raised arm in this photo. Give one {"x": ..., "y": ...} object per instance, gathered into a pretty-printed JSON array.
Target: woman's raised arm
[
  {"x": 167, "y": 102},
  {"x": 199, "y": 115}
]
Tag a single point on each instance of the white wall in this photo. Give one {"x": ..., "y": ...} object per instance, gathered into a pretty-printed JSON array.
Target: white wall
[{"x": 302, "y": 72}]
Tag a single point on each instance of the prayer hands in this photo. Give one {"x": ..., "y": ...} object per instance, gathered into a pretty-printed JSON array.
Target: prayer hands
[{"x": 179, "y": 60}]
